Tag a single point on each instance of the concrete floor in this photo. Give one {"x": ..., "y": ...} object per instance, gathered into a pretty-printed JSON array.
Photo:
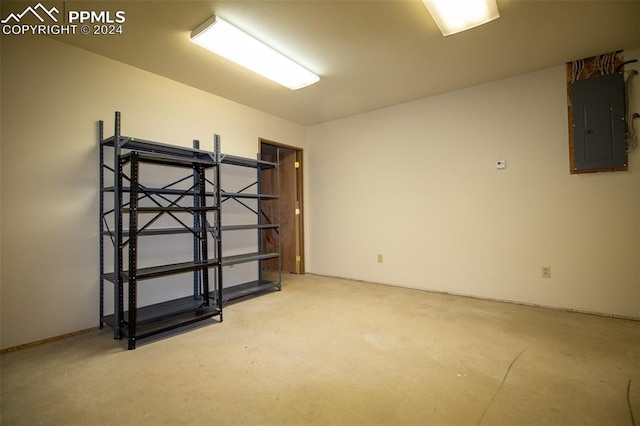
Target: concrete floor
[{"x": 330, "y": 351}]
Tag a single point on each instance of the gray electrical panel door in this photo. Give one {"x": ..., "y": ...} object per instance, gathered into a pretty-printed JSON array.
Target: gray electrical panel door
[{"x": 598, "y": 117}]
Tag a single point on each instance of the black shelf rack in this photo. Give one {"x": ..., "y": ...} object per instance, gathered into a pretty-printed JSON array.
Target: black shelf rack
[
  {"x": 262, "y": 225},
  {"x": 136, "y": 211},
  {"x": 192, "y": 204}
]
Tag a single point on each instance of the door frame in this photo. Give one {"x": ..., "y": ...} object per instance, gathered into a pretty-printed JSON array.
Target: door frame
[{"x": 299, "y": 193}]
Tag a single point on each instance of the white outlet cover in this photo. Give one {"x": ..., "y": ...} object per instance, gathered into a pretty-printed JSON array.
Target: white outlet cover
[{"x": 501, "y": 164}]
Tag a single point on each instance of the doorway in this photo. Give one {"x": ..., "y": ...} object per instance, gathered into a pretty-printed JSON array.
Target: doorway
[{"x": 291, "y": 230}]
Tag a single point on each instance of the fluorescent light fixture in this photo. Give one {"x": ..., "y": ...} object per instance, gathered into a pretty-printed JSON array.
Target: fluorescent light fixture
[
  {"x": 454, "y": 16},
  {"x": 225, "y": 40}
]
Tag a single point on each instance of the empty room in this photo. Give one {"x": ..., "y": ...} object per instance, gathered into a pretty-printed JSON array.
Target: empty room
[{"x": 305, "y": 212}]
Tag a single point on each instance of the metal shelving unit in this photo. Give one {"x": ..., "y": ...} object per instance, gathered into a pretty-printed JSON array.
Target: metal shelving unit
[
  {"x": 263, "y": 224},
  {"x": 192, "y": 204},
  {"x": 138, "y": 211}
]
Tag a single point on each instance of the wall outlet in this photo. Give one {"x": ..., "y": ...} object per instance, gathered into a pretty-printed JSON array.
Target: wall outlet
[
  {"x": 501, "y": 164},
  {"x": 546, "y": 272},
  {"x": 379, "y": 258}
]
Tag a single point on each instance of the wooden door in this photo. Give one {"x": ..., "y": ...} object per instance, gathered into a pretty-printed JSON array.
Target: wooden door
[{"x": 289, "y": 206}]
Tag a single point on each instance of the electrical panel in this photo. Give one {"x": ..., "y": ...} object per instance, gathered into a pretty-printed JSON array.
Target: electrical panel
[{"x": 599, "y": 122}]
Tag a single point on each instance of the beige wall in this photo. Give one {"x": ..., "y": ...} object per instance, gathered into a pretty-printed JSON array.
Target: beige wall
[
  {"x": 417, "y": 183},
  {"x": 52, "y": 97}
]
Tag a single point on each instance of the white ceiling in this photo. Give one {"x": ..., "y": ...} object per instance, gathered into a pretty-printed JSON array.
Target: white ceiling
[{"x": 369, "y": 54}]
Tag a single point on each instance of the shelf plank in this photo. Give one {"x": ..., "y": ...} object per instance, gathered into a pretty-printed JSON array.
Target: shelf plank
[
  {"x": 178, "y": 268},
  {"x": 246, "y": 162},
  {"x": 167, "y": 160},
  {"x": 249, "y": 227},
  {"x": 158, "y": 231},
  {"x": 163, "y": 191},
  {"x": 247, "y": 257},
  {"x": 160, "y": 317},
  {"x": 164, "y": 270},
  {"x": 159, "y": 209},
  {"x": 172, "y": 231},
  {"x": 248, "y": 195},
  {"x": 136, "y": 144},
  {"x": 249, "y": 288}
]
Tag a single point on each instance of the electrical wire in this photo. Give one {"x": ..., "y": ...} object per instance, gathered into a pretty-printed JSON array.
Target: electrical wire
[
  {"x": 619, "y": 67},
  {"x": 593, "y": 67},
  {"x": 609, "y": 62},
  {"x": 574, "y": 66},
  {"x": 604, "y": 64},
  {"x": 633, "y": 420},
  {"x": 598, "y": 60},
  {"x": 504, "y": 379},
  {"x": 612, "y": 62},
  {"x": 631, "y": 137},
  {"x": 576, "y": 69}
]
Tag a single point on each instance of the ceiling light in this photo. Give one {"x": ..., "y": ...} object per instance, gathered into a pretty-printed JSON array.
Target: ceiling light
[
  {"x": 224, "y": 39},
  {"x": 453, "y": 16}
]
